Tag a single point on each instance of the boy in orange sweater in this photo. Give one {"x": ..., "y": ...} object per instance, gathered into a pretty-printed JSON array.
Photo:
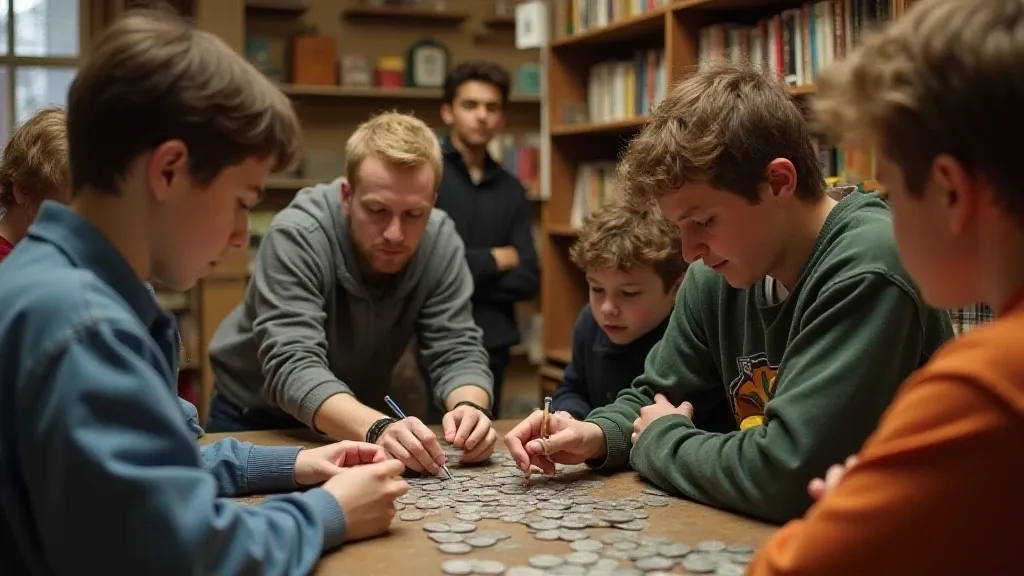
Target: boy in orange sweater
[{"x": 938, "y": 95}]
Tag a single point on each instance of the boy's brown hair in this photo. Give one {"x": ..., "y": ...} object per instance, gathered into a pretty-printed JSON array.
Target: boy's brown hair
[
  {"x": 151, "y": 78},
  {"x": 722, "y": 125},
  {"x": 399, "y": 140},
  {"x": 943, "y": 79},
  {"x": 35, "y": 158},
  {"x": 623, "y": 236}
]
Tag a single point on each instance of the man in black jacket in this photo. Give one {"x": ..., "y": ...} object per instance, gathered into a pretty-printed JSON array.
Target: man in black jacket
[{"x": 489, "y": 207}]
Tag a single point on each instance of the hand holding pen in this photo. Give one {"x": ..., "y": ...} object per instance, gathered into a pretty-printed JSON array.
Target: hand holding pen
[{"x": 410, "y": 441}]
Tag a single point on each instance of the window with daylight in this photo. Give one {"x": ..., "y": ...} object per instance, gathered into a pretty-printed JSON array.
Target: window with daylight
[{"x": 40, "y": 43}]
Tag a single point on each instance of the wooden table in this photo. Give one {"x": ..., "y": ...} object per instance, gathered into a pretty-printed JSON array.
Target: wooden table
[{"x": 406, "y": 551}]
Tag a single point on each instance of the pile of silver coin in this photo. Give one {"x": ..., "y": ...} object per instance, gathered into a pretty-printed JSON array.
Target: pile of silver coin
[{"x": 559, "y": 508}]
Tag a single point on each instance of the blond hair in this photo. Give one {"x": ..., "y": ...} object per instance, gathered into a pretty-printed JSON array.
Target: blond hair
[
  {"x": 397, "y": 139},
  {"x": 944, "y": 78},
  {"x": 722, "y": 125},
  {"x": 151, "y": 78},
  {"x": 623, "y": 236},
  {"x": 35, "y": 158}
]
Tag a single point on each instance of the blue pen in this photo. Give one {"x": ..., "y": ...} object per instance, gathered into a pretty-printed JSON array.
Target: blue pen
[{"x": 401, "y": 415}]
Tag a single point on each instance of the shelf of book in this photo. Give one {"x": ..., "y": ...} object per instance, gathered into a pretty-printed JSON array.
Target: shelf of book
[{"x": 609, "y": 63}]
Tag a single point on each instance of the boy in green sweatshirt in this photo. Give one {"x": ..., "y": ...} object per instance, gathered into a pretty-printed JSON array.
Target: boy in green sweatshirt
[{"x": 798, "y": 309}]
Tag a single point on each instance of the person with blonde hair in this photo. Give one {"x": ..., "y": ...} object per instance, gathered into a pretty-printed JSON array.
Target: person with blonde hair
[
  {"x": 345, "y": 277},
  {"x": 33, "y": 168},
  {"x": 796, "y": 320},
  {"x": 937, "y": 94}
]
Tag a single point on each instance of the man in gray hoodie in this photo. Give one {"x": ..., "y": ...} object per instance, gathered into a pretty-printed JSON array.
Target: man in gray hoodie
[{"x": 345, "y": 276}]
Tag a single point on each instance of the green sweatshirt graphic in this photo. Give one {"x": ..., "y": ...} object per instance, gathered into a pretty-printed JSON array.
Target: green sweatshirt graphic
[{"x": 809, "y": 377}]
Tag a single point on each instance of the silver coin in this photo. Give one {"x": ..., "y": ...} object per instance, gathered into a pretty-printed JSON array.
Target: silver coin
[
  {"x": 410, "y": 516},
  {"x": 445, "y": 537},
  {"x": 571, "y": 535},
  {"x": 655, "y": 492},
  {"x": 727, "y": 569},
  {"x": 461, "y": 527},
  {"x": 568, "y": 570},
  {"x": 654, "y": 563},
  {"x": 625, "y": 545},
  {"x": 428, "y": 504},
  {"x": 552, "y": 514},
  {"x": 544, "y": 525},
  {"x": 457, "y": 567},
  {"x": 640, "y": 515},
  {"x": 633, "y": 525},
  {"x": 698, "y": 563},
  {"x": 488, "y": 567},
  {"x": 547, "y": 534},
  {"x": 469, "y": 517},
  {"x": 455, "y": 548},
  {"x": 608, "y": 564},
  {"x": 436, "y": 527},
  {"x": 711, "y": 546},
  {"x": 494, "y": 534},
  {"x": 582, "y": 558},
  {"x": 478, "y": 541},
  {"x": 613, "y": 537},
  {"x": 617, "y": 516},
  {"x": 573, "y": 523},
  {"x": 512, "y": 518},
  {"x": 674, "y": 550},
  {"x": 524, "y": 571},
  {"x": 587, "y": 545},
  {"x": 642, "y": 552},
  {"x": 656, "y": 501},
  {"x": 545, "y": 561},
  {"x": 399, "y": 506}
]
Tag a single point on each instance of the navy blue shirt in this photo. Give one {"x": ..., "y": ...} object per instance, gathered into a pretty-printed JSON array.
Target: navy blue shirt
[
  {"x": 600, "y": 368},
  {"x": 487, "y": 214},
  {"x": 100, "y": 469}
]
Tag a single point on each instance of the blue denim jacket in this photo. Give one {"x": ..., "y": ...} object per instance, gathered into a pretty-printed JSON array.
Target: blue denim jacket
[{"x": 100, "y": 469}]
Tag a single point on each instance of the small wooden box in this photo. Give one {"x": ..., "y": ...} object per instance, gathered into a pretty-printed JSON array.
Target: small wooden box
[{"x": 314, "y": 61}]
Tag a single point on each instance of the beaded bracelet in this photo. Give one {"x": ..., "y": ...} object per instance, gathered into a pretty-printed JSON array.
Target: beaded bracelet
[{"x": 377, "y": 428}]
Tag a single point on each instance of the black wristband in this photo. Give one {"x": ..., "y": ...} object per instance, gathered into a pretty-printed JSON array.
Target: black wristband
[
  {"x": 477, "y": 406},
  {"x": 377, "y": 428}
]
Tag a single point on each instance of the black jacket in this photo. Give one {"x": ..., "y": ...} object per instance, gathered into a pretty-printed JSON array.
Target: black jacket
[{"x": 493, "y": 212}]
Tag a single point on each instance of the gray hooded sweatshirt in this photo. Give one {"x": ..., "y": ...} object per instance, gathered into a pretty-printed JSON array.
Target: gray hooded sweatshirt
[{"x": 311, "y": 327}]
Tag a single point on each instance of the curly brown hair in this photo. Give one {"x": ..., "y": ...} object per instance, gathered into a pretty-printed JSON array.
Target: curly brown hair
[
  {"x": 35, "y": 158},
  {"x": 624, "y": 236},
  {"x": 722, "y": 125},
  {"x": 942, "y": 79}
]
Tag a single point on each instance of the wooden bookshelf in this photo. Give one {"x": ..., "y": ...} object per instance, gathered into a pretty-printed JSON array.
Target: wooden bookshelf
[
  {"x": 674, "y": 30},
  {"x": 391, "y": 15},
  {"x": 276, "y": 7}
]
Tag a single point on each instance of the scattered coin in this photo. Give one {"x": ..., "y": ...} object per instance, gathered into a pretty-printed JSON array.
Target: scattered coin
[
  {"x": 739, "y": 548},
  {"x": 478, "y": 541},
  {"x": 547, "y": 534},
  {"x": 728, "y": 569},
  {"x": 698, "y": 563},
  {"x": 572, "y": 535},
  {"x": 587, "y": 545},
  {"x": 410, "y": 516},
  {"x": 545, "y": 561},
  {"x": 711, "y": 546},
  {"x": 655, "y": 492},
  {"x": 583, "y": 558},
  {"x": 654, "y": 563},
  {"x": 568, "y": 570},
  {"x": 524, "y": 571},
  {"x": 445, "y": 537},
  {"x": 436, "y": 527},
  {"x": 455, "y": 548},
  {"x": 634, "y": 525},
  {"x": 457, "y": 567},
  {"x": 461, "y": 527},
  {"x": 654, "y": 501},
  {"x": 488, "y": 567}
]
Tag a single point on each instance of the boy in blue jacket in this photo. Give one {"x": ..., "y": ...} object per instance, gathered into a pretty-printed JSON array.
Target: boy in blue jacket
[
  {"x": 171, "y": 138},
  {"x": 634, "y": 267}
]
